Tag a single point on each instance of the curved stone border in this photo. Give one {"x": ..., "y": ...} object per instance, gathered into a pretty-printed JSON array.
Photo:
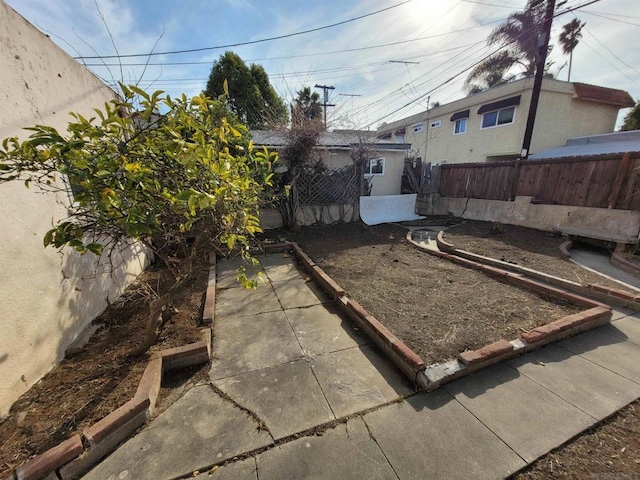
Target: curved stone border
[
  {"x": 622, "y": 263},
  {"x": 565, "y": 247},
  {"x": 610, "y": 296},
  {"x": 74, "y": 456}
]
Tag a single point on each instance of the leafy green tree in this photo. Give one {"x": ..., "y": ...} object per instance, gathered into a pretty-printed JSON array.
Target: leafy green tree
[
  {"x": 306, "y": 106},
  {"x": 183, "y": 182},
  {"x": 250, "y": 95},
  {"x": 519, "y": 38},
  {"x": 632, "y": 119},
  {"x": 569, "y": 38}
]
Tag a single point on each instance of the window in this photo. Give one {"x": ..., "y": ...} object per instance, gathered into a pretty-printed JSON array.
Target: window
[
  {"x": 460, "y": 126},
  {"x": 400, "y": 137},
  {"x": 374, "y": 167},
  {"x": 435, "y": 124},
  {"x": 498, "y": 117},
  {"x": 418, "y": 127}
]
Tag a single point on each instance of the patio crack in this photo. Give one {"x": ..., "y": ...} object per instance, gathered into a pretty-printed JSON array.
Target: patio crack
[{"x": 256, "y": 418}]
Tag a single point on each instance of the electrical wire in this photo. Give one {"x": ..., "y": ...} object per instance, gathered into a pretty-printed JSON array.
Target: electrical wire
[{"x": 252, "y": 42}]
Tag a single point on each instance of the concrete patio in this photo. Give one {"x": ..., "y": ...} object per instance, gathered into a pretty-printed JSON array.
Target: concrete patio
[{"x": 296, "y": 393}]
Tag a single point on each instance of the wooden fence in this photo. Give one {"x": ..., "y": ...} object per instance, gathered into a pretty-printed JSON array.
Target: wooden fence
[{"x": 604, "y": 181}]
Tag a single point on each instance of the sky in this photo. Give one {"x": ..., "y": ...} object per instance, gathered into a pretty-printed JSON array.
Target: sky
[{"x": 384, "y": 67}]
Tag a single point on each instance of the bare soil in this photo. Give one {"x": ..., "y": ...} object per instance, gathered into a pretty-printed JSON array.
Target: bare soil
[
  {"x": 524, "y": 246},
  {"x": 610, "y": 450},
  {"x": 437, "y": 308},
  {"x": 85, "y": 388}
]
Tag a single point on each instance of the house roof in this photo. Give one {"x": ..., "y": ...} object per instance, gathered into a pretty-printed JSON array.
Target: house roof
[
  {"x": 338, "y": 140},
  {"x": 609, "y": 96},
  {"x": 609, "y": 143}
]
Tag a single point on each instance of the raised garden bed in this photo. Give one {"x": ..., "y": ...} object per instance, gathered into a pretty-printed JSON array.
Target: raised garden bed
[{"x": 435, "y": 307}]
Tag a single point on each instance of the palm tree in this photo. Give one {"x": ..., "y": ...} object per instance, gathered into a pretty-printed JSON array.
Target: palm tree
[
  {"x": 519, "y": 38},
  {"x": 306, "y": 106},
  {"x": 569, "y": 38}
]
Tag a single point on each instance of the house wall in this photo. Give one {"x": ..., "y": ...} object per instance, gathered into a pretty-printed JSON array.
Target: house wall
[
  {"x": 46, "y": 297},
  {"x": 388, "y": 184},
  {"x": 542, "y": 217},
  {"x": 560, "y": 116}
]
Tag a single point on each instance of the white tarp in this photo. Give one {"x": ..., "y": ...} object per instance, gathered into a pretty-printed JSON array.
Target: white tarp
[{"x": 388, "y": 208}]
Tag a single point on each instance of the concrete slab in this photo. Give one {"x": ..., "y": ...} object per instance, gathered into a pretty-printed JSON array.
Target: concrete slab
[
  {"x": 525, "y": 415},
  {"x": 287, "y": 398},
  {"x": 242, "y": 470},
  {"x": 346, "y": 452},
  {"x": 238, "y": 302},
  {"x": 358, "y": 378},
  {"x": 244, "y": 344},
  {"x": 433, "y": 436},
  {"x": 608, "y": 351},
  {"x": 226, "y": 271},
  {"x": 198, "y": 430},
  {"x": 321, "y": 330},
  {"x": 621, "y": 312},
  {"x": 601, "y": 264},
  {"x": 297, "y": 293},
  {"x": 593, "y": 389},
  {"x": 279, "y": 267},
  {"x": 627, "y": 328}
]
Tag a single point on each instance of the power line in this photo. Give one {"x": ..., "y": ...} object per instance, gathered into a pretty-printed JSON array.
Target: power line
[
  {"x": 252, "y": 42},
  {"x": 612, "y": 19}
]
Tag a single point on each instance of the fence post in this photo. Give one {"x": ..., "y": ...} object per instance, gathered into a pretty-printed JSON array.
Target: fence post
[{"x": 612, "y": 202}]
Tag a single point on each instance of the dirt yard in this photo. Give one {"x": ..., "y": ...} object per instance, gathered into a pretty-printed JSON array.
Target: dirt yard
[
  {"x": 609, "y": 451},
  {"x": 437, "y": 308},
  {"x": 85, "y": 388},
  {"x": 524, "y": 246}
]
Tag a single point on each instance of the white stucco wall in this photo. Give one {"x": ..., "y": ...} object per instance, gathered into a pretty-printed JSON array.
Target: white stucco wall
[
  {"x": 389, "y": 183},
  {"x": 46, "y": 297}
]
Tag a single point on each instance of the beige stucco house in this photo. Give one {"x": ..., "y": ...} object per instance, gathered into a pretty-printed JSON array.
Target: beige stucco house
[
  {"x": 489, "y": 126},
  {"x": 46, "y": 297},
  {"x": 334, "y": 148}
]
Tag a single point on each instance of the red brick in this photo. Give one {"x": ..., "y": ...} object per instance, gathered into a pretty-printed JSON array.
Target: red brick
[
  {"x": 566, "y": 323},
  {"x": 565, "y": 247},
  {"x": 209, "y": 310},
  {"x": 149, "y": 385},
  {"x": 303, "y": 257},
  {"x": 185, "y": 356},
  {"x": 473, "y": 357},
  {"x": 277, "y": 247},
  {"x": 327, "y": 282},
  {"x": 37, "y": 467},
  {"x": 212, "y": 259},
  {"x": 599, "y": 288},
  {"x": 443, "y": 244},
  {"x": 621, "y": 294},
  {"x": 116, "y": 419}
]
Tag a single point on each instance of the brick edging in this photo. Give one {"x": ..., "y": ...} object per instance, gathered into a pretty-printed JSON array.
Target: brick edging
[
  {"x": 471, "y": 361},
  {"x": 596, "y": 292},
  {"x": 622, "y": 263},
  {"x": 399, "y": 353},
  {"x": 70, "y": 459}
]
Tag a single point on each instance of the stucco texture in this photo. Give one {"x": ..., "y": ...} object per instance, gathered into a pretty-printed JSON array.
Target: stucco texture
[{"x": 46, "y": 297}]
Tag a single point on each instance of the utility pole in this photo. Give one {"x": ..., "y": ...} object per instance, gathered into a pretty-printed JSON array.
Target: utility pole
[
  {"x": 326, "y": 103},
  {"x": 541, "y": 60}
]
